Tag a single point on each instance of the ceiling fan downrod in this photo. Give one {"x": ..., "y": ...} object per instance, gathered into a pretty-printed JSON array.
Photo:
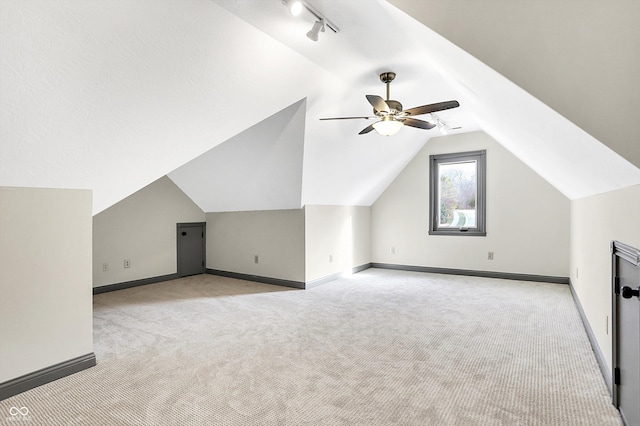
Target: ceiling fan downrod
[
  {"x": 387, "y": 78},
  {"x": 395, "y": 107}
]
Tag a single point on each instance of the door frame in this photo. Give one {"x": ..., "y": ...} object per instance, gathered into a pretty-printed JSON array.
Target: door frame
[
  {"x": 624, "y": 252},
  {"x": 185, "y": 225}
]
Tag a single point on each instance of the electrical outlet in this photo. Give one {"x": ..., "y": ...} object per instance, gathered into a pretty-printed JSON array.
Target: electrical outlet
[
  {"x": 393, "y": 250},
  {"x": 577, "y": 273},
  {"x": 105, "y": 267},
  {"x": 127, "y": 263},
  {"x": 490, "y": 255},
  {"x": 330, "y": 258},
  {"x": 255, "y": 258}
]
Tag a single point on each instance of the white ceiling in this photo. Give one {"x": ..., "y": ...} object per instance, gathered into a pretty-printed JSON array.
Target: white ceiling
[
  {"x": 339, "y": 166},
  {"x": 258, "y": 169},
  {"x": 376, "y": 36},
  {"x": 113, "y": 95}
]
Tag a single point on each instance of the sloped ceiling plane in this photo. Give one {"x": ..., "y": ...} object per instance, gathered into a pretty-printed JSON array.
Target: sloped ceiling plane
[{"x": 225, "y": 96}]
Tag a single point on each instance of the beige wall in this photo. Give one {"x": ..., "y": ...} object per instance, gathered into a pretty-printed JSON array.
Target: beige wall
[
  {"x": 337, "y": 239},
  {"x": 595, "y": 222},
  {"x": 527, "y": 219},
  {"x": 45, "y": 278},
  {"x": 548, "y": 48},
  {"x": 141, "y": 228},
  {"x": 275, "y": 236},
  {"x": 290, "y": 244}
]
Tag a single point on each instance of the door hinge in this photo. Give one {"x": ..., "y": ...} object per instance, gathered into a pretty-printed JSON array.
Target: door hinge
[
  {"x": 616, "y": 285},
  {"x": 203, "y": 263},
  {"x": 616, "y": 376},
  {"x": 203, "y": 235}
]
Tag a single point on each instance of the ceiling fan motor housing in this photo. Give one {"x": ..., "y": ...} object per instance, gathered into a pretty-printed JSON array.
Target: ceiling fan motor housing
[{"x": 394, "y": 106}]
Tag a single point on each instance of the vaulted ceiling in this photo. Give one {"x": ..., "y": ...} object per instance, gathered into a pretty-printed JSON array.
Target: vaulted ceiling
[
  {"x": 224, "y": 96},
  {"x": 258, "y": 169}
]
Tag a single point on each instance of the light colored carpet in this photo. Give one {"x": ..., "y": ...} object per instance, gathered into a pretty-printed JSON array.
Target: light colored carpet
[{"x": 376, "y": 348}]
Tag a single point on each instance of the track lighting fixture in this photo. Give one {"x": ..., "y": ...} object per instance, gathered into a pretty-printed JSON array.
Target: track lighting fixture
[{"x": 296, "y": 7}]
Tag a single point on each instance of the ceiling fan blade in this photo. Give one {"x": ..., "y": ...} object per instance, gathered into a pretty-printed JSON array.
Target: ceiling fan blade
[
  {"x": 420, "y": 124},
  {"x": 348, "y": 118},
  {"x": 366, "y": 129},
  {"x": 426, "y": 109},
  {"x": 378, "y": 103}
]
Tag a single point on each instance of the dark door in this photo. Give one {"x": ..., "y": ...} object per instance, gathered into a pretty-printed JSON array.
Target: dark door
[
  {"x": 191, "y": 248},
  {"x": 626, "y": 334}
]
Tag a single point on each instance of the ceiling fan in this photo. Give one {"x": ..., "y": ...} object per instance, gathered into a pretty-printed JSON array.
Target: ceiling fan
[{"x": 390, "y": 115}]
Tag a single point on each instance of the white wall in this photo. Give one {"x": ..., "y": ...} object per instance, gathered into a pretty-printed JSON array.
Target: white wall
[
  {"x": 337, "y": 239},
  {"x": 275, "y": 236},
  {"x": 45, "y": 278},
  {"x": 527, "y": 219},
  {"x": 141, "y": 228},
  {"x": 595, "y": 222}
]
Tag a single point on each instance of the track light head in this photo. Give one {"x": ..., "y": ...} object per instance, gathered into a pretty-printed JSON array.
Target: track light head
[
  {"x": 294, "y": 6},
  {"x": 315, "y": 30}
]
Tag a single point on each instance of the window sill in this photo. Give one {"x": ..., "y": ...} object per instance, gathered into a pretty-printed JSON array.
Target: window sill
[{"x": 458, "y": 233}]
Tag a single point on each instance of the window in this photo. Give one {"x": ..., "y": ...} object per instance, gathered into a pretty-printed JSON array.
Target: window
[{"x": 457, "y": 197}]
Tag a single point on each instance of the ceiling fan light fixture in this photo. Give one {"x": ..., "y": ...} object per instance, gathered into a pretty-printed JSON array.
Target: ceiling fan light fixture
[
  {"x": 388, "y": 126},
  {"x": 315, "y": 30}
]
